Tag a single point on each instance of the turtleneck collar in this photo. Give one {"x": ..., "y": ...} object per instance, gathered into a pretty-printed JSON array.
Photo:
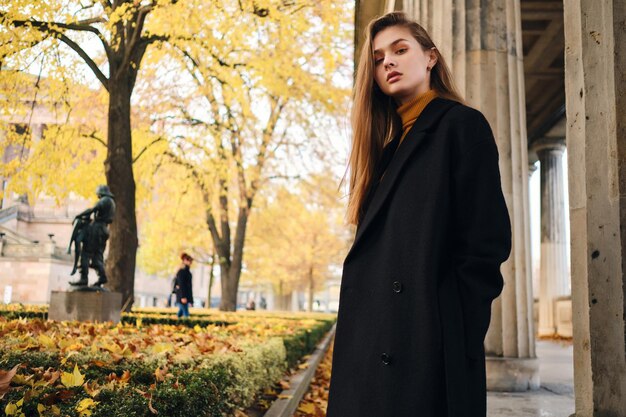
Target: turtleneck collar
[{"x": 410, "y": 111}]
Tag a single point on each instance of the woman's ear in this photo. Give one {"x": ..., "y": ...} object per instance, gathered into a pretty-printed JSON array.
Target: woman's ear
[{"x": 432, "y": 60}]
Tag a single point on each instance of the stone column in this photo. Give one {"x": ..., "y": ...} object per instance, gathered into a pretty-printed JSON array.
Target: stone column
[
  {"x": 554, "y": 275},
  {"x": 482, "y": 43},
  {"x": 595, "y": 64},
  {"x": 533, "y": 166}
]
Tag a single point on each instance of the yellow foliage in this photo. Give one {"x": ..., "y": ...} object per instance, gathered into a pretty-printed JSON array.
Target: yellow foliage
[
  {"x": 218, "y": 109},
  {"x": 297, "y": 236},
  {"x": 245, "y": 95}
]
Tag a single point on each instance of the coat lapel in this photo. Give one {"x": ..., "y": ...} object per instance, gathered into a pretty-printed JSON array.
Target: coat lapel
[{"x": 414, "y": 138}]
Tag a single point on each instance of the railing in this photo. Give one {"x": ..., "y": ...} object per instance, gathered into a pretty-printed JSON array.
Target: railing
[
  {"x": 35, "y": 250},
  {"x": 8, "y": 213}
]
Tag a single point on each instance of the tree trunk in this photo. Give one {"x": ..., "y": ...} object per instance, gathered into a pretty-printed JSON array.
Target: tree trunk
[
  {"x": 211, "y": 278},
  {"x": 118, "y": 166},
  {"x": 232, "y": 272},
  {"x": 228, "y": 301},
  {"x": 311, "y": 285}
]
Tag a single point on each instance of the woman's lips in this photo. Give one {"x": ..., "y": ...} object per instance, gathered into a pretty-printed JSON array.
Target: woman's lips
[{"x": 392, "y": 77}]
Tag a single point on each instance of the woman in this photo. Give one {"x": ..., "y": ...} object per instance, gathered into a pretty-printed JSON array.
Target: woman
[
  {"x": 183, "y": 287},
  {"x": 432, "y": 231}
]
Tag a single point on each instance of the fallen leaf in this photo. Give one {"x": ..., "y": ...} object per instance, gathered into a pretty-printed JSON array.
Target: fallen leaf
[
  {"x": 5, "y": 380},
  {"x": 308, "y": 408},
  {"x": 152, "y": 409},
  {"x": 75, "y": 379}
]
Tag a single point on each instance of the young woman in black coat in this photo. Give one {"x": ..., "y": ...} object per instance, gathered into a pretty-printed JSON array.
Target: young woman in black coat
[{"x": 432, "y": 231}]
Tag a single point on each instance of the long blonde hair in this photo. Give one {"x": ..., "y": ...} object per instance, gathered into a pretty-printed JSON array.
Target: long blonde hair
[{"x": 374, "y": 117}]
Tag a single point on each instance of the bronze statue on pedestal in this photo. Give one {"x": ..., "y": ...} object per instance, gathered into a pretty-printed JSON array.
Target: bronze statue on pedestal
[{"x": 90, "y": 236}]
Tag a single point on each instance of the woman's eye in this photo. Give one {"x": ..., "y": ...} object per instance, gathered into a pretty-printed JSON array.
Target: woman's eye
[
  {"x": 401, "y": 51},
  {"x": 378, "y": 61}
]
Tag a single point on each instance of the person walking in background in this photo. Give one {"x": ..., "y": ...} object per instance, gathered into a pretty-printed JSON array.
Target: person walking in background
[
  {"x": 432, "y": 231},
  {"x": 182, "y": 286}
]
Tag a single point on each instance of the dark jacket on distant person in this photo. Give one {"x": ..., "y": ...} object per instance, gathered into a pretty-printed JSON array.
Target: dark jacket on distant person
[{"x": 182, "y": 285}]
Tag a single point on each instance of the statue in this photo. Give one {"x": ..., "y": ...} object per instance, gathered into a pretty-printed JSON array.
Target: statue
[{"x": 90, "y": 237}]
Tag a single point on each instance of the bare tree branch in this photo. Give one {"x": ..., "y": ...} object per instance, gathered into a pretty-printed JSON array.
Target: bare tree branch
[
  {"x": 134, "y": 40},
  {"x": 93, "y": 136},
  {"x": 159, "y": 139},
  {"x": 81, "y": 26},
  {"x": 51, "y": 28},
  {"x": 90, "y": 63}
]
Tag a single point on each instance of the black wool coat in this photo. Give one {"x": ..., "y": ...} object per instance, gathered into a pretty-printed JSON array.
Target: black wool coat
[
  {"x": 418, "y": 282},
  {"x": 182, "y": 285}
]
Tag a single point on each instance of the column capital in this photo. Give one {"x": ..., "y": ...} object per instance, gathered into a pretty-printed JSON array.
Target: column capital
[{"x": 548, "y": 144}]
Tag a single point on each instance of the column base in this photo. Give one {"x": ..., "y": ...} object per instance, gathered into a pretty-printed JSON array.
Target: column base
[
  {"x": 512, "y": 374},
  {"x": 546, "y": 331},
  {"x": 98, "y": 306}
]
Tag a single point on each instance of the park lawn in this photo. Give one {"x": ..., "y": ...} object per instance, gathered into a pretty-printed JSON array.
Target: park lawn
[{"x": 139, "y": 369}]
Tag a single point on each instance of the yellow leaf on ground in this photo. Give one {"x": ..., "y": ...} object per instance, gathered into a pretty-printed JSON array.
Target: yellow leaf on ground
[
  {"x": 84, "y": 407},
  {"x": 75, "y": 379},
  {"x": 308, "y": 408},
  {"x": 10, "y": 409},
  {"x": 85, "y": 404},
  {"x": 47, "y": 341},
  {"x": 162, "y": 347}
]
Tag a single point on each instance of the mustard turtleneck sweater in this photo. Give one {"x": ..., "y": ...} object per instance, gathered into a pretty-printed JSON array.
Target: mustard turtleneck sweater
[{"x": 410, "y": 111}]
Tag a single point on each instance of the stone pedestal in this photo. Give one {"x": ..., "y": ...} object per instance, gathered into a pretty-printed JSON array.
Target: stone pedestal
[
  {"x": 554, "y": 277},
  {"x": 510, "y": 374},
  {"x": 98, "y": 306}
]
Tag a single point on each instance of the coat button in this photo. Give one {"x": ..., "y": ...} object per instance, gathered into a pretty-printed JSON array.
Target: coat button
[
  {"x": 385, "y": 358},
  {"x": 397, "y": 286}
]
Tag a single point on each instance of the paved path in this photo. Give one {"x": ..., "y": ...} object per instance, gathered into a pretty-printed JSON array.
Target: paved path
[{"x": 556, "y": 396}]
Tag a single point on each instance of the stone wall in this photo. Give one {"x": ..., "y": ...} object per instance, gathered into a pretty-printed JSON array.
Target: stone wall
[{"x": 32, "y": 280}]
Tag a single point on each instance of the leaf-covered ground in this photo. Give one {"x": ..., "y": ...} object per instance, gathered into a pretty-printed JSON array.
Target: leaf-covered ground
[
  {"x": 315, "y": 401},
  {"x": 67, "y": 368}
]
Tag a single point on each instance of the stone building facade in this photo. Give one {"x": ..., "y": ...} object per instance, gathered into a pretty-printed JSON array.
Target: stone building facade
[{"x": 548, "y": 75}]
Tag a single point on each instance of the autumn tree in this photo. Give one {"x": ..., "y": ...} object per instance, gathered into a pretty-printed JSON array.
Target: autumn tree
[
  {"x": 123, "y": 30},
  {"x": 298, "y": 236},
  {"x": 269, "y": 86}
]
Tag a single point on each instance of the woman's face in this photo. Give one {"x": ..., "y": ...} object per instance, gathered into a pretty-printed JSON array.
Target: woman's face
[{"x": 401, "y": 66}]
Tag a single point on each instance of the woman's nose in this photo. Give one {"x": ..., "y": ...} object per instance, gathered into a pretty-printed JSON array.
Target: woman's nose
[{"x": 389, "y": 63}]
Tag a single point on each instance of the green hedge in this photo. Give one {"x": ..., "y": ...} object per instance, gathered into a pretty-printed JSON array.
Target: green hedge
[
  {"x": 304, "y": 341},
  {"x": 215, "y": 385},
  {"x": 189, "y": 321}
]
